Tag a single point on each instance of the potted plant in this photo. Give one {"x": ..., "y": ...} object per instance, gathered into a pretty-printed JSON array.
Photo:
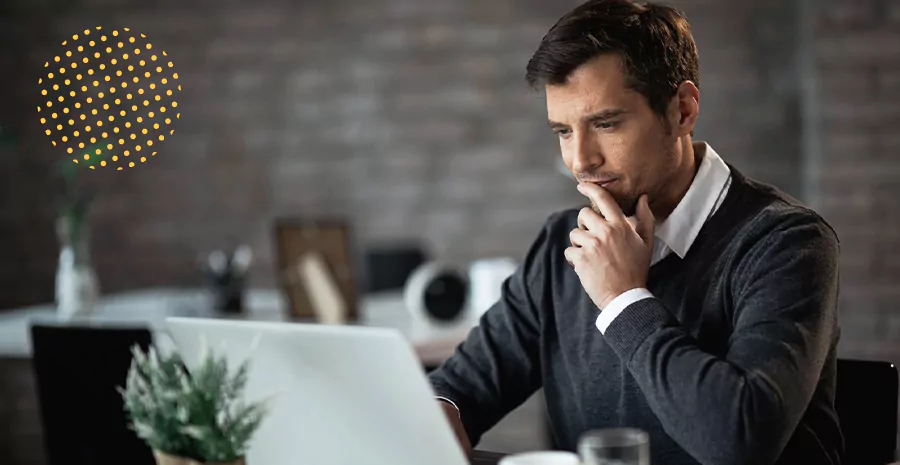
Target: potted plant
[{"x": 190, "y": 418}]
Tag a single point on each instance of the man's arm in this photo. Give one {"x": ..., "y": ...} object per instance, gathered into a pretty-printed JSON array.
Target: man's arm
[
  {"x": 744, "y": 407},
  {"x": 497, "y": 367}
]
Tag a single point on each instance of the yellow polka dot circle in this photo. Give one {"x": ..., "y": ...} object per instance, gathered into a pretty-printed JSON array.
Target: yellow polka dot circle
[{"x": 88, "y": 107}]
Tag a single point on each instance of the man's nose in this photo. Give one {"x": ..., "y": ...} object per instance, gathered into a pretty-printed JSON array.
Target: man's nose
[{"x": 587, "y": 156}]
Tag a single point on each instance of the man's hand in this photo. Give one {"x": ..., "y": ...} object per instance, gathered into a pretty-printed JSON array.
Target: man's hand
[
  {"x": 610, "y": 253},
  {"x": 460, "y": 432}
]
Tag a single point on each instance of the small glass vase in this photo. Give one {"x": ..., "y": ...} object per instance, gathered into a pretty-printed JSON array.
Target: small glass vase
[{"x": 77, "y": 288}]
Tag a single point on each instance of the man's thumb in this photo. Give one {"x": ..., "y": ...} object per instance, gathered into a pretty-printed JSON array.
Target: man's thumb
[{"x": 645, "y": 220}]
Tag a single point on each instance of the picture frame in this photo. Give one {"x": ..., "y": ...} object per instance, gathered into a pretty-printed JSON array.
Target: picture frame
[{"x": 329, "y": 239}]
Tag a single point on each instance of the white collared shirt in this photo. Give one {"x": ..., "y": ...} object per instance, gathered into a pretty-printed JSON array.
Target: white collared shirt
[{"x": 677, "y": 233}]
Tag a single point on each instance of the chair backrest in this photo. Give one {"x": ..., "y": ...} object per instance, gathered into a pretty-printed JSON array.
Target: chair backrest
[
  {"x": 866, "y": 399},
  {"x": 77, "y": 371}
]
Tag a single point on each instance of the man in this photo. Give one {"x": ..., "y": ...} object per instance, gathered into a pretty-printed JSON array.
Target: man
[{"x": 690, "y": 301}]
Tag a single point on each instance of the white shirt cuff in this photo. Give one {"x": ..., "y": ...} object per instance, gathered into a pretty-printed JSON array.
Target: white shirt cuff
[
  {"x": 608, "y": 314},
  {"x": 451, "y": 403}
]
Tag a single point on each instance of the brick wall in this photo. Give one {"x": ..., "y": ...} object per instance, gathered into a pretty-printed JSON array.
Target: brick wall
[
  {"x": 858, "y": 63},
  {"x": 409, "y": 117}
]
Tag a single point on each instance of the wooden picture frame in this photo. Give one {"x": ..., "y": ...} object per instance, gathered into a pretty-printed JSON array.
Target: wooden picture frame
[{"x": 330, "y": 239}]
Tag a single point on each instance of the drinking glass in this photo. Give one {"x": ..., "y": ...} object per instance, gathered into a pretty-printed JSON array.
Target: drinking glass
[{"x": 614, "y": 446}]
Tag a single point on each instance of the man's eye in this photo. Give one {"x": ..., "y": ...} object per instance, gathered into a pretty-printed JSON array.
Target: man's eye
[
  {"x": 606, "y": 125},
  {"x": 563, "y": 132}
]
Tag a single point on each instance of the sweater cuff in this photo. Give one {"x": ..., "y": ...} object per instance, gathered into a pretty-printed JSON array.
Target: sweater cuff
[{"x": 634, "y": 324}]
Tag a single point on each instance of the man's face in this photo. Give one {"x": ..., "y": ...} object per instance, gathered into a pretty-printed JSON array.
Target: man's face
[{"x": 609, "y": 135}]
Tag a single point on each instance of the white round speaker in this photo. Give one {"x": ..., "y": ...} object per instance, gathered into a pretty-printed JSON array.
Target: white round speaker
[{"x": 436, "y": 293}]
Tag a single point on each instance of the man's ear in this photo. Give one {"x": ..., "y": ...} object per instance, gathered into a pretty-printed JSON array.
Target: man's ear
[{"x": 684, "y": 109}]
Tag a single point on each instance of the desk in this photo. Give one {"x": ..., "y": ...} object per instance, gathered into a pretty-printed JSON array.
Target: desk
[{"x": 151, "y": 307}]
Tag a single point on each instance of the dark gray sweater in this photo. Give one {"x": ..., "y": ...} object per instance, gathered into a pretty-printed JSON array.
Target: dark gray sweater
[{"x": 733, "y": 361}]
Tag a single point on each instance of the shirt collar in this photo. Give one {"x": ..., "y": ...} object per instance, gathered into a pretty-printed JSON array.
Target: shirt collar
[{"x": 680, "y": 229}]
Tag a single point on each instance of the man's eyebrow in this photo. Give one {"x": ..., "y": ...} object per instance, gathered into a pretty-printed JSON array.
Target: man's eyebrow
[{"x": 602, "y": 115}]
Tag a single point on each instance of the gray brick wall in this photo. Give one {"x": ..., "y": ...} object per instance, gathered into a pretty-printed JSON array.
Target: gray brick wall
[{"x": 409, "y": 117}]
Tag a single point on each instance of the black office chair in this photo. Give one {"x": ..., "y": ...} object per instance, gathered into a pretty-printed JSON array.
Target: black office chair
[
  {"x": 77, "y": 371},
  {"x": 866, "y": 398}
]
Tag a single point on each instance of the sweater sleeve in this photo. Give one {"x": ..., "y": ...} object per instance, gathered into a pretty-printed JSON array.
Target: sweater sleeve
[
  {"x": 743, "y": 407},
  {"x": 496, "y": 368}
]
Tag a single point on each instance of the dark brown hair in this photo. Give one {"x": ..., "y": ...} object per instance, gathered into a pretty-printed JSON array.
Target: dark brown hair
[{"x": 654, "y": 42}]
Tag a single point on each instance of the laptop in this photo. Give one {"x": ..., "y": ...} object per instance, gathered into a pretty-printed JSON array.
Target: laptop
[{"x": 340, "y": 395}]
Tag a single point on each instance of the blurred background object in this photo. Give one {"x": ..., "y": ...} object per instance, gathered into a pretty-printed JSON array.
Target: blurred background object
[{"x": 410, "y": 121}]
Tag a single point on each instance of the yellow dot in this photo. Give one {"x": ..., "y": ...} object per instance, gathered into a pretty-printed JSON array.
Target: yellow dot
[
  {"x": 151, "y": 114},
  {"x": 99, "y": 123},
  {"x": 141, "y": 120},
  {"x": 171, "y": 132},
  {"x": 50, "y": 75},
  {"x": 66, "y": 110},
  {"x": 143, "y": 131},
  {"x": 170, "y": 64},
  {"x": 155, "y": 125},
  {"x": 81, "y": 145},
  {"x": 90, "y": 72},
  {"x": 130, "y": 68},
  {"x": 53, "y": 115},
  {"x": 84, "y": 88},
  {"x": 122, "y": 113},
  {"x": 162, "y": 109},
  {"x": 133, "y": 136},
  {"x": 71, "y": 122},
  {"x": 153, "y": 57},
  {"x": 134, "y": 108},
  {"x": 131, "y": 39},
  {"x": 82, "y": 117},
  {"x": 93, "y": 140},
  {"x": 127, "y": 124},
  {"x": 106, "y": 78},
  {"x": 175, "y": 75},
  {"x": 59, "y": 127},
  {"x": 43, "y": 120},
  {"x": 77, "y": 105},
  {"x": 168, "y": 121},
  {"x": 121, "y": 141},
  {"x": 128, "y": 96},
  {"x": 124, "y": 56},
  {"x": 108, "y": 49},
  {"x": 80, "y": 48},
  {"x": 159, "y": 69},
  {"x": 161, "y": 137},
  {"x": 164, "y": 80},
  {"x": 96, "y": 54},
  {"x": 74, "y": 65},
  {"x": 137, "y": 51},
  {"x": 115, "y": 158},
  {"x": 109, "y": 146},
  {"x": 115, "y": 33},
  {"x": 106, "y": 106},
  {"x": 114, "y": 61},
  {"x": 103, "y": 38},
  {"x": 124, "y": 85},
  {"x": 98, "y": 151},
  {"x": 152, "y": 154},
  {"x": 100, "y": 95},
  {"x": 95, "y": 83},
  {"x": 94, "y": 111},
  {"x": 87, "y": 157},
  {"x": 61, "y": 98},
  {"x": 147, "y": 74},
  {"x": 53, "y": 142},
  {"x": 126, "y": 153},
  {"x": 141, "y": 91},
  {"x": 55, "y": 58},
  {"x": 102, "y": 162},
  {"x": 131, "y": 164},
  {"x": 62, "y": 71},
  {"x": 143, "y": 159},
  {"x": 149, "y": 143},
  {"x": 111, "y": 118},
  {"x": 165, "y": 54},
  {"x": 68, "y": 53},
  {"x": 75, "y": 133},
  {"x": 146, "y": 103},
  {"x": 69, "y": 150},
  {"x": 48, "y": 132},
  {"x": 152, "y": 86},
  {"x": 87, "y": 129},
  {"x": 116, "y": 130},
  {"x": 119, "y": 72},
  {"x": 135, "y": 79},
  {"x": 88, "y": 100},
  {"x": 120, "y": 45},
  {"x": 78, "y": 76},
  {"x": 142, "y": 63},
  {"x": 157, "y": 98},
  {"x": 55, "y": 86},
  {"x": 87, "y": 31},
  {"x": 104, "y": 135},
  {"x": 92, "y": 43},
  {"x": 138, "y": 148},
  {"x": 43, "y": 91},
  {"x": 84, "y": 60},
  {"x": 72, "y": 93},
  {"x": 65, "y": 139}
]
